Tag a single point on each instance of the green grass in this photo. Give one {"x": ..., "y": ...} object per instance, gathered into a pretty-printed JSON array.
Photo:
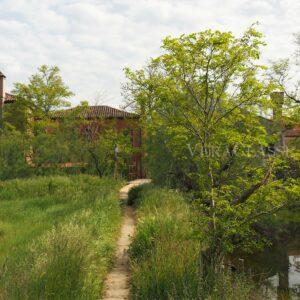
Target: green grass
[
  {"x": 57, "y": 236},
  {"x": 165, "y": 253}
]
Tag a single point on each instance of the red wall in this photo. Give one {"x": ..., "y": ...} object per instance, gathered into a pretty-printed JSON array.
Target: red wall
[{"x": 135, "y": 167}]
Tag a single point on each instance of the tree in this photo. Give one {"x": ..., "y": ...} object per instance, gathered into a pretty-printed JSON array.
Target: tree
[
  {"x": 106, "y": 149},
  {"x": 200, "y": 101},
  {"x": 76, "y": 143},
  {"x": 30, "y": 115},
  {"x": 45, "y": 92},
  {"x": 58, "y": 145},
  {"x": 285, "y": 74}
]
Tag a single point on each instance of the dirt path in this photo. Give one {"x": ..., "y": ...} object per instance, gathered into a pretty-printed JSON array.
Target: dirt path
[{"x": 118, "y": 280}]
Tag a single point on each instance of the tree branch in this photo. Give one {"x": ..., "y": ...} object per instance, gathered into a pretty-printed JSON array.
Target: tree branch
[
  {"x": 244, "y": 197},
  {"x": 264, "y": 213}
]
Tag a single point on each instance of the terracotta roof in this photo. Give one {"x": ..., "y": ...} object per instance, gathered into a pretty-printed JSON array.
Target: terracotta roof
[
  {"x": 94, "y": 112},
  {"x": 293, "y": 132},
  {"x": 9, "y": 98}
]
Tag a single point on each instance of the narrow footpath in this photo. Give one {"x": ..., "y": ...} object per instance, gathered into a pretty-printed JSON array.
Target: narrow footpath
[{"x": 117, "y": 284}]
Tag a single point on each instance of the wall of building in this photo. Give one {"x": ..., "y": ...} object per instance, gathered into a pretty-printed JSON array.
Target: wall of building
[{"x": 131, "y": 126}]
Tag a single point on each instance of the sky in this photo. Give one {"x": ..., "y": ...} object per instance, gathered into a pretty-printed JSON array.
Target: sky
[{"x": 92, "y": 41}]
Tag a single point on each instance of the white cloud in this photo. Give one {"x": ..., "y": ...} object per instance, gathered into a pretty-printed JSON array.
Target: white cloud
[{"x": 93, "y": 40}]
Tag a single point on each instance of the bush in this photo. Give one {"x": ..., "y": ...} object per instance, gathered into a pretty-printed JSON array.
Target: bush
[{"x": 13, "y": 150}]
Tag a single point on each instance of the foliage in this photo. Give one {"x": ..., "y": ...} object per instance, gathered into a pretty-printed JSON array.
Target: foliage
[
  {"x": 106, "y": 150},
  {"x": 284, "y": 73},
  {"x": 200, "y": 101},
  {"x": 13, "y": 149},
  {"x": 90, "y": 145},
  {"x": 165, "y": 254},
  {"x": 69, "y": 143},
  {"x": 44, "y": 92},
  {"x": 56, "y": 147},
  {"x": 58, "y": 236}
]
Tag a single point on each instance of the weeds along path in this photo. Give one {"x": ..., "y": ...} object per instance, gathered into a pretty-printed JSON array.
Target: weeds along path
[{"x": 118, "y": 280}]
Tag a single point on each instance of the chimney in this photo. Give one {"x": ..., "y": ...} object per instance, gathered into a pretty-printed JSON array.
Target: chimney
[{"x": 2, "y": 88}]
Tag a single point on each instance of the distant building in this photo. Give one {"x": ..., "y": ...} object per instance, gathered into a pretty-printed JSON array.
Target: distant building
[
  {"x": 279, "y": 123},
  {"x": 101, "y": 115},
  {"x": 95, "y": 115},
  {"x": 5, "y": 98}
]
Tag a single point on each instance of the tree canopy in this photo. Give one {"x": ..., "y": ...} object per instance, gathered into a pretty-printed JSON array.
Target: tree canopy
[
  {"x": 44, "y": 92},
  {"x": 202, "y": 103}
]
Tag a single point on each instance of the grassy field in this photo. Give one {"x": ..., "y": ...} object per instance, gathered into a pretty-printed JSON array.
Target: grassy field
[
  {"x": 165, "y": 253},
  {"x": 57, "y": 236}
]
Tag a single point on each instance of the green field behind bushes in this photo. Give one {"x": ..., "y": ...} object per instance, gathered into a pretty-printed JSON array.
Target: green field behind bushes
[
  {"x": 57, "y": 236},
  {"x": 165, "y": 254}
]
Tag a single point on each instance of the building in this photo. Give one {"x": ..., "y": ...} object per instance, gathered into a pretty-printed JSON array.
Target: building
[
  {"x": 95, "y": 116},
  {"x": 99, "y": 116},
  {"x": 291, "y": 133},
  {"x": 279, "y": 123},
  {"x": 5, "y": 98}
]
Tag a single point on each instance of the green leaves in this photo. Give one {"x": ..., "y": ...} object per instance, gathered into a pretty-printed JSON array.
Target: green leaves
[
  {"x": 44, "y": 92},
  {"x": 201, "y": 103}
]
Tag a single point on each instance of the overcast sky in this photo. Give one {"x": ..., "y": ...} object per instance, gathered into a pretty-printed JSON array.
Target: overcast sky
[{"x": 93, "y": 40}]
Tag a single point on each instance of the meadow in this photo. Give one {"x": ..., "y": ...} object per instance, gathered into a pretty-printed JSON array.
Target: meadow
[{"x": 57, "y": 236}]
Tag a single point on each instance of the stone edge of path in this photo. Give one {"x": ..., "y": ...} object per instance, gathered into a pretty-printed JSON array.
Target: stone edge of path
[
  {"x": 123, "y": 193},
  {"x": 117, "y": 283}
]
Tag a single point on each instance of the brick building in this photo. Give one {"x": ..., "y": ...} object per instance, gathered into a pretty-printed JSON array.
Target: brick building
[
  {"x": 96, "y": 115},
  {"x": 5, "y": 97},
  {"x": 99, "y": 116}
]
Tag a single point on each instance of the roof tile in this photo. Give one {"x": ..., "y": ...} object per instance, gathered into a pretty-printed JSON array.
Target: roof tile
[
  {"x": 9, "y": 98},
  {"x": 94, "y": 112}
]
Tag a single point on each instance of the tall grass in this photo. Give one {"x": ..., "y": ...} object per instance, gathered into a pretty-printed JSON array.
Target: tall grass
[
  {"x": 57, "y": 236},
  {"x": 165, "y": 253}
]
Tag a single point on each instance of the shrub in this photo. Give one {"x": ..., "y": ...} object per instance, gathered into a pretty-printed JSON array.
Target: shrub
[{"x": 13, "y": 150}]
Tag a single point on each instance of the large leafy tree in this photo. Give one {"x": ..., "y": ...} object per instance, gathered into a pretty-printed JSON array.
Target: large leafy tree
[
  {"x": 27, "y": 120},
  {"x": 31, "y": 112},
  {"x": 44, "y": 93},
  {"x": 46, "y": 90},
  {"x": 201, "y": 100}
]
